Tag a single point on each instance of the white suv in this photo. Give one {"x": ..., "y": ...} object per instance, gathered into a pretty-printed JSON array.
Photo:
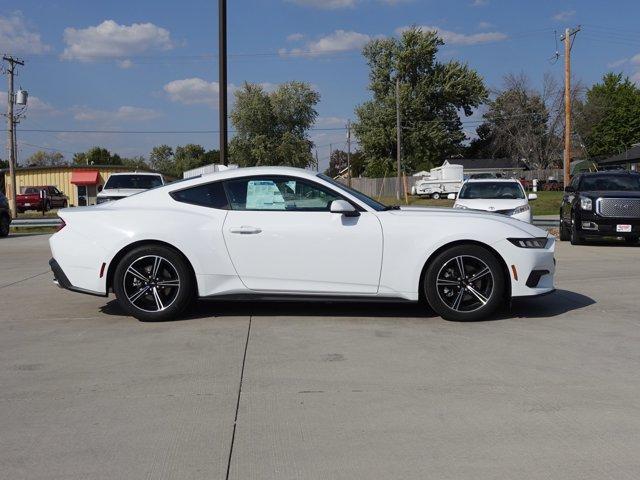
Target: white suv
[
  {"x": 121, "y": 185},
  {"x": 504, "y": 196}
]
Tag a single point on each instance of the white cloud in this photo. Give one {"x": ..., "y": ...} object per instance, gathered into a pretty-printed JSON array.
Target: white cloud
[
  {"x": 124, "y": 113},
  {"x": 295, "y": 37},
  {"x": 338, "y": 41},
  {"x": 479, "y": 3},
  {"x": 35, "y": 106},
  {"x": 111, "y": 40},
  {"x": 327, "y": 122},
  {"x": 565, "y": 15},
  {"x": 16, "y": 36},
  {"x": 485, "y": 25},
  {"x": 196, "y": 91},
  {"x": 455, "y": 38},
  {"x": 193, "y": 91},
  {"x": 620, "y": 62},
  {"x": 326, "y": 4}
]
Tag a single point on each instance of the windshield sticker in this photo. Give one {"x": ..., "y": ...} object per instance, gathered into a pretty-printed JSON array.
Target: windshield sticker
[{"x": 264, "y": 195}]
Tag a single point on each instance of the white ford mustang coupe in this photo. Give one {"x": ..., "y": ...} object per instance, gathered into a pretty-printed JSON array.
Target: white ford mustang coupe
[{"x": 275, "y": 232}]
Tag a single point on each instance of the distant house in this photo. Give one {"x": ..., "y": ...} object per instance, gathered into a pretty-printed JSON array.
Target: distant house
[
  {"x": 504, "y": 167},
  {"x": 629, "y": 159}
]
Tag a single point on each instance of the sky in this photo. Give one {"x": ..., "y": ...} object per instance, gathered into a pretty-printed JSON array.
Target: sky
[{"x": 151, "y": 65}]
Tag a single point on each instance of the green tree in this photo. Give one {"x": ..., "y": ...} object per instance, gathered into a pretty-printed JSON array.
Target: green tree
[
  {"x": 338, "y": 163},
  {"x": 432, "y": 94},
  {"x": 45, "y": 159},
  {"x": 135, "y": 163},
  {"x": 161, "y": 159},
  {"x": 272, "y": 128},
  {"x": 97, "y": 156},
  {"x": 188, "y": 157},
  {"x": 608, "y": 121}
]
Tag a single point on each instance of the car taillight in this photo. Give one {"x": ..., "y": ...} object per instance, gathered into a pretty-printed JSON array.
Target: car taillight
[{"x": 62, "y": 225}]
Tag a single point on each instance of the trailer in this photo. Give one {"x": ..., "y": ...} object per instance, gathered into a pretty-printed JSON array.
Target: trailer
[{"x": 440, "y": 181}]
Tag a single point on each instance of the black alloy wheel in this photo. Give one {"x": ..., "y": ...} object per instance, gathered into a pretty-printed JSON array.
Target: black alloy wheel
[
  {"x": 153, "y": 283},
  {"x": 465, "y": 283}
]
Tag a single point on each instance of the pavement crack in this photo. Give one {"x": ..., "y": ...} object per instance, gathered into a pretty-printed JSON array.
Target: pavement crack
[
  {"x": 235, "y": 420},
  {"x": 25, "y": 279}
]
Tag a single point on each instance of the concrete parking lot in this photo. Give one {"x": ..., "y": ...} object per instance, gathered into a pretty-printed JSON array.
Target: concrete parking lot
[{"x": 549, "y": 390}]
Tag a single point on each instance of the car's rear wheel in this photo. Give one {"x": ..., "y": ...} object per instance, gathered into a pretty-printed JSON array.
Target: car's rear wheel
[
  {"x": 435, "y": 195},
  {"x": 153, "y": 283},
  {"x": 465, "y": 283},
  {"x": 5, "y": 225}
]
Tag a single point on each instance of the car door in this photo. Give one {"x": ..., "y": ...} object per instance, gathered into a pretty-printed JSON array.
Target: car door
[{"x": 282, "y": 237}]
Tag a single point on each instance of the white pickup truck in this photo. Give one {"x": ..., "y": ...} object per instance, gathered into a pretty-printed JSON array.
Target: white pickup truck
[{"x": 121, "y": 185}]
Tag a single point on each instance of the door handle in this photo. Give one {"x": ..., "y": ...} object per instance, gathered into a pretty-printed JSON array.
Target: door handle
[{"x": 246, "y": 230}]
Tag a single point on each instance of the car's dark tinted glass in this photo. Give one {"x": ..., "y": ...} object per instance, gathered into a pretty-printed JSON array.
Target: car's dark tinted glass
[
  {"x": 145, "y": 182},
  {"x": 492, "y": 190},
  {"x": 208, "y": 195},
  {"x": 610, "y": 183}
]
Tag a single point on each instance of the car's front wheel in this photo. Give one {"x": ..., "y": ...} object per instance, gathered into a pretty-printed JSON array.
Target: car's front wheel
[
  {"x": 465, "y": 283},
  {"x": 153, "y": 283}
]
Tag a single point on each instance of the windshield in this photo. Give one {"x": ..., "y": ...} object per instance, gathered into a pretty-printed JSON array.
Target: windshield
[
  {"x": 624, "y": 183},
  {"x": 492, "y": 190},
  {"x": 377, "y": 206},
  {"x": 140, "y": 182}
]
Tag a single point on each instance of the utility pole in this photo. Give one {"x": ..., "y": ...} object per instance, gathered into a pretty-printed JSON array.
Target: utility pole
[
  {"x": 11, "y": 124},
  {"x": 398, "y": 139},
  {"x": 317, "y": 162},
  {"x": 567, "y": 38},
  {"x": 349, "y": 153},
  {"x": 222, "y": 79}
]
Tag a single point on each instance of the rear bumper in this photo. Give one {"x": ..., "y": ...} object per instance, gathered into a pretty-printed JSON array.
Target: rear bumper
[{"x": 60, "y": 279}]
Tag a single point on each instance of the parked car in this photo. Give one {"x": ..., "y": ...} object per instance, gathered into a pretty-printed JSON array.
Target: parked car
[
  {"x": 122, "y": 185},
  {"x": 5, "y": 216},
  {"x": 552, "y": 185},
  {"x": 601, "y": 204},
  {"x": 276, "y": 232},
  {"x": 503, "y": 196},
  {"x": 41, "y": 197}
]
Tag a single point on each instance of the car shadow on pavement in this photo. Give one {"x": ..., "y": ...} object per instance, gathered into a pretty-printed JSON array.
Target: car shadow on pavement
[
  {"x": 551, "y": 305},
  {"x": 557, "y": 303}
]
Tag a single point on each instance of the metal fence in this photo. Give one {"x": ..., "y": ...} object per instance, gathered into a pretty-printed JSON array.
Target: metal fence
[{"x": 386, "y": 187}]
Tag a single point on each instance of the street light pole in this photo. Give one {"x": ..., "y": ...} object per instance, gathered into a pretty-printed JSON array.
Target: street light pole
[{"x": 222, "y": 79}]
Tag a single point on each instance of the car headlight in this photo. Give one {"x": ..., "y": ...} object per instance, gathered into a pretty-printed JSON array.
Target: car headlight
[
  {"x": 538, "y": 242},
  {"x": 521, "y": 209},
  {"x": 586, "y": 204},
  {"x": 457, "y": 205}
]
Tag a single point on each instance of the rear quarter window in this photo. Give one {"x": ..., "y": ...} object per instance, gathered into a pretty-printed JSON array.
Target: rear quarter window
[{"x": 210, "y": 195}]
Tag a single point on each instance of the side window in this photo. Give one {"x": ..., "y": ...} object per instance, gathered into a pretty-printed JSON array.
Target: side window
[
  {"x": 278, "y": 193},
  {"x": 575, "y": 182},
  {"x": 208, "y": 195}
]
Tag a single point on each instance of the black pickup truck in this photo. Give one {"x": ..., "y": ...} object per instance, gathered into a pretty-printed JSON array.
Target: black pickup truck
[{"x": 602, "y": 204}]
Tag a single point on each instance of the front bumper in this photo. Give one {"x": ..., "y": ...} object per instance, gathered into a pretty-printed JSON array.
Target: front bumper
[
  {"x": 592, "y": 224},
  {"x": 60, "y": 279}
]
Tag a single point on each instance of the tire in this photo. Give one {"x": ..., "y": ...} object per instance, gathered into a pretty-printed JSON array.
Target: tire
[
  {"x": 64, "y": 204},
  {"x": 575, "y": 238},
  {"x": 631, "y": 240},
  {"x": 456, "y": 300},
  {"x": 47, "y": 206},
  {"x": 565, "y": 236},
  {"x": 435, "y": 196},
  {"x": 5, "y": 224},
  {"x": 137, "y": 290}
]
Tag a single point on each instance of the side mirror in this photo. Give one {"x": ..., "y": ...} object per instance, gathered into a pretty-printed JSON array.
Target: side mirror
[
  {"x": 451, "y": 196},
  {"x": 344, "y": 208},
  {"x": 569, "y": 188},
  {"x": 533, "y": 196}
]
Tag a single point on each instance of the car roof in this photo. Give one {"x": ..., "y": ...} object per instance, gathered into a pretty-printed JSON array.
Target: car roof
[
  {"x": 609, "y": 172},
  {"x": 136, "y": 173},
  {"x": 493, "y": 180}
]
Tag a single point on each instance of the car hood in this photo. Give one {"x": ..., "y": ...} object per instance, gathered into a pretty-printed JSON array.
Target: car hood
[
  {"x": 610, "y": 194},
  {"x": 460, "y": 214},
  {"x": 120, "y": 192},
  {"x": 491, "y": 204}
]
